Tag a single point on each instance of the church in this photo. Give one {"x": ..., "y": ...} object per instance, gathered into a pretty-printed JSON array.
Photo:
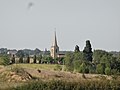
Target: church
[{"x": 54, "y": 50}]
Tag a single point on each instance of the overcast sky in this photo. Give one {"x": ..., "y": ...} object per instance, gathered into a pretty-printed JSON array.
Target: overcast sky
[{"x": 31, "y": 23}]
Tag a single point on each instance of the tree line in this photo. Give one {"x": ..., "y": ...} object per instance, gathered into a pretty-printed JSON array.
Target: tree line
[{"x": 86, "y": 61}]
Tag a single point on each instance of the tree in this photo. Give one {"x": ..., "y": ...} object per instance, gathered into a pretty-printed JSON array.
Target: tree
[
  {"x": 34, "y": 58},
  {"x": 77, "y": 48},
  {"x": 100, "y": 69},
  {"x": 28, "y": 59},
  {"x": 39, "y": 58},
  {"x": 88, "y": 51},
  {"x": 101, "y": 56},
  {"x": 77, "y": 64},
  {"x": 92, "y": 68},
  {"x": 3, "y": 51},
  {"x": 78, "y": 56},
  {"x": 107, "y": 71},
  {"x": 20, "y": 53},
  {"x": 13, "y": 59},
  {"x": 78, "y": 60},
  {"x": 20, "y": 59},
  {"x": 69, "y": 61},
  {"x": 37, "y": 51}
]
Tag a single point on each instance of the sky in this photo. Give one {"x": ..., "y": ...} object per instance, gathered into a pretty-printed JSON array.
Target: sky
[{"x": 31, "y": 24}]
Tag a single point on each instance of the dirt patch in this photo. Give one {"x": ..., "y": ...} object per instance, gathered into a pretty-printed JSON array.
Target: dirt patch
[
  {"x": 62, "y": 75},
  {"x": 49, "y": 75},
  {"x": 10, "y": 76},
  {"x": 13, "y": 76}
]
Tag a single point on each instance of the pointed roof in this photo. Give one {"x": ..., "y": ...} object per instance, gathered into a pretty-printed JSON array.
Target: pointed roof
[{"x": 55, "y": 39}]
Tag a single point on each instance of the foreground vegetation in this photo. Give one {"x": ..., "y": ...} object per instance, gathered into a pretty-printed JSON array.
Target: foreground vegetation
[
  {"x": 26, "y": 77},
  {"x": 66, "y": 85}
]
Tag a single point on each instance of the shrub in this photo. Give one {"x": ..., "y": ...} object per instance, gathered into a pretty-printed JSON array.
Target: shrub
[
  {"x": 107, "y": 71},
  {"x": 100, "y": 69}
]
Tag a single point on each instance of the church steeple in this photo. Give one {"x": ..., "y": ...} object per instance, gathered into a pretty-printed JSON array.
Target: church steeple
[
  {"x": 55, "y": 40},
  {"x": 54, "y": 51}
]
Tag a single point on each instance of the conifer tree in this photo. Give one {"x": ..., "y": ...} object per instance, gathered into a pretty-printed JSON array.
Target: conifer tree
[
  {"x": 21, "y": 59},
  {"x": 28, "y": 59},
  {"x": 13, "y": 59},
  {"x": 88, "y": 51},
  {"x": 34, "y": 59},
  {"x": 77, "y": 48}
]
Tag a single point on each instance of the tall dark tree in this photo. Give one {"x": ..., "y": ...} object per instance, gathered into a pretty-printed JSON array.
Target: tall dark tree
[
  {"x": 39, "y": 58},
  {"x": 88, "y": 51},
  {"x": 13, "y": 59},
  {"x": 21, "y": 55},
  {"x": 21, "y": 59},
  {"x": 77, "y": 48},
  {"x": 28, "y": 59},
  {"x": 34, "y": 58}
]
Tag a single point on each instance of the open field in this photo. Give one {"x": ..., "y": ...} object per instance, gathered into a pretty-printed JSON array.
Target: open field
[
  {"x": 35, "y": 66},
  {"x": 20, "y": 74}
]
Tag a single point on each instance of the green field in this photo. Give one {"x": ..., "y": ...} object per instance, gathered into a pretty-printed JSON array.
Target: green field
[{"x": 35, "y": 66}]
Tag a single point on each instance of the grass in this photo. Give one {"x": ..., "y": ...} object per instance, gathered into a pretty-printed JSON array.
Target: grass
[
  {"x": 35, "y": 66},
  {"x": 64, "y": 85}
]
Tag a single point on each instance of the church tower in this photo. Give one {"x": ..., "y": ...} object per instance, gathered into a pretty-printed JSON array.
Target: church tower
[{"x": 54, "y": 51}]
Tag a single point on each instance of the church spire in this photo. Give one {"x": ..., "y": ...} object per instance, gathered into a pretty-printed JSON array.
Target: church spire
[{"x": 55, "y": 39}]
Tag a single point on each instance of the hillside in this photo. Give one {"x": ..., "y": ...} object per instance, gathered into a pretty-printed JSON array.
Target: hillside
[{"x": 18, "y": 74}]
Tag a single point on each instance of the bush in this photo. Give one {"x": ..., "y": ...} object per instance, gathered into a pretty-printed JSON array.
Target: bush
[
  {"x": 107, "y": 71},
  {"x": 100, "y": 69}
]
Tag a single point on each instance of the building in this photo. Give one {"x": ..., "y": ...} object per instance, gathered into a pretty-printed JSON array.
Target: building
[
  {"x": 61, "y": 54},
  {"x": 54, "y": 51}
]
